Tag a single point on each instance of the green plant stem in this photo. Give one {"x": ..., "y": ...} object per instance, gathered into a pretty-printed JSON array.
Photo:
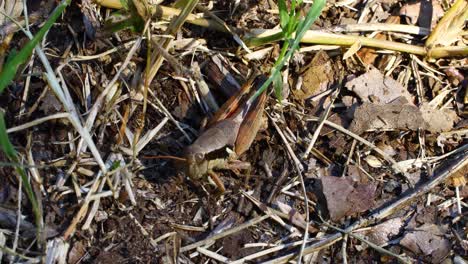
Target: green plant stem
[{"x": 313, "y": 14}]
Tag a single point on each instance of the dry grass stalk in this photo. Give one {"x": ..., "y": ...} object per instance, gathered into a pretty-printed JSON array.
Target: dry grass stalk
[
  {"x": 224, "y": 234},
  {"x": 321, "y": 37}
]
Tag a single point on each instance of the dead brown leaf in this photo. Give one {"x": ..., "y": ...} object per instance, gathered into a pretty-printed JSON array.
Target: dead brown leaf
[
  {"x": 50, "y": 104},
  {"x": 400, "y": 115},
  {"x": 382, "y": 233},
  {"x": 76, "y": 253},
  {"x": 369, "y": 55},
  {"x": 317, "y": 76},
  {"x": 438, "y": 120},
  {"x": 373, "y": 86},
  {"x": 427, "y": 240},
  {"x": 345, "y": 197}
]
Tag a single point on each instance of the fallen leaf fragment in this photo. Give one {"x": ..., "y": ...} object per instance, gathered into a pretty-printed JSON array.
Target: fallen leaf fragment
[
  {"x": 382, "y": 233},
  {"x": 373, "y": 86},
  {"x": 417, "y": 13},
  {"x": 459, "y": 178},
  {"x": 438, "y": 120},
  {"x": 50, "y": 104},
  {"x": 428, "y": 241},
  {"x": 373, "y": 161},
  {"x": 345, "y": 197},
  {"x": 295, "y": 217},
  {"x": 76, "y": 253},
  {"x": 401, "y": 116},
  {"x": 317, "y": 76}
]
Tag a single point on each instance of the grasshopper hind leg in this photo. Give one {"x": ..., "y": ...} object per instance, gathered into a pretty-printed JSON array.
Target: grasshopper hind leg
[{"x": 219, "y": 183}]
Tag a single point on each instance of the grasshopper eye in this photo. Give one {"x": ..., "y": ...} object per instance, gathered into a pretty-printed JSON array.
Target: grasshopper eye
[{"x": 199, "y": 157}]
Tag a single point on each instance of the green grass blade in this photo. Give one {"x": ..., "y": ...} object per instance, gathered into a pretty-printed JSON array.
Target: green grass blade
[
  {"x": 283, "y": 12},
  {"x": 278, "y": 85},
  {"x": 11, "y": 67},
  {"x": 302, "y": 28},
  {"x": 11, "y": 154}
]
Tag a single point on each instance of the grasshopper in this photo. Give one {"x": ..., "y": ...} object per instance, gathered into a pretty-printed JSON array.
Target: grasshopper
[{"x": 234, "y": 126}]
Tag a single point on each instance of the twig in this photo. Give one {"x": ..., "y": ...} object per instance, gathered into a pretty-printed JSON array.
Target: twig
[
  {"x": 223, "y": 234},
  {"x": 18, "y": 219},
  {"x": 213, "y": 255},
  {"x": 319, "y": 126},
  {"x": 372, "y": 245},
  {"x": 37, "y": 122},
  {"x": 351, "y": 150},
  {"x": 13, "y": 253},
  {"x": 275, "y": 215}
]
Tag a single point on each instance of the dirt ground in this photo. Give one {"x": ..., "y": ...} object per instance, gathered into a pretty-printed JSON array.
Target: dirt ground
[{"x": 384, "y": 182}]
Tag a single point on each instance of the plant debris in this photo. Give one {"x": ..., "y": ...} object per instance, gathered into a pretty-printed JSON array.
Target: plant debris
[
  {"x": 400, "y": 115},
  {"x": 427, "y": 240},
  {"x": 374, "y": 87},
  {"x": 363, "y": 159},
  {"x": 345, "y": 197}
]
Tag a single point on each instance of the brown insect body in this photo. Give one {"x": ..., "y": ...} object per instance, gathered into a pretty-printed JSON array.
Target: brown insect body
[{"x": 234, "y": 125}]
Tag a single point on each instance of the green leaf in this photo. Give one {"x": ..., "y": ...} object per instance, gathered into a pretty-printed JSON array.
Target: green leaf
[
  {"x": 5, "y": 143},
  {"x": 283, "y": 12},
  {"x": 115, "y": 165},
  {"x": 11, "y": 55},
  {"x": 124, "y": 4},
  {"x": 278, "y": 84},
  {"x": 312, "y": 15},
  {"x": 11, "y": 67}
]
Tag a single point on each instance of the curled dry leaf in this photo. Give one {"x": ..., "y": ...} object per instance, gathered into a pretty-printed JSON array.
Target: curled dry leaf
[
  {"x": 451, "y": 27},
  {"x": 427, "y": 240},
  {"x": 400, "y": 115},
  {"x": 382, "y": 233},
  {"x": 345, "y": 197},
  {"x": 374, "y": 87}
]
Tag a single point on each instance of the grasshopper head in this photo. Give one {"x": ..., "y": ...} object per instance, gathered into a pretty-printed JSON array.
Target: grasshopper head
[{"x": 197, "y": 165}]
